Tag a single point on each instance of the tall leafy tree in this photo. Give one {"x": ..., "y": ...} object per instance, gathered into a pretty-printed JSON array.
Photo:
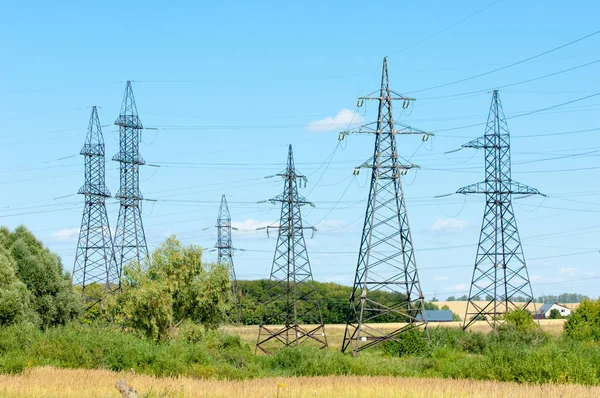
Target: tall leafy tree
[
  {"x": 15, "y": 299},
  {"x": 51, "y": 293},
  {"x": 174, "y": 287}
]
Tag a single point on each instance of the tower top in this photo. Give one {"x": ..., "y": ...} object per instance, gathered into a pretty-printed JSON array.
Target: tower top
[{"x": 129, "y": 114}]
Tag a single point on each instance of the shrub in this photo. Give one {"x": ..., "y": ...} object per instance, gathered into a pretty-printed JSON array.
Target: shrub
[
  {"x": 412, "y": 342},
  {"x": 521, "y": 319},
  {"x": 474, "y": 342}
]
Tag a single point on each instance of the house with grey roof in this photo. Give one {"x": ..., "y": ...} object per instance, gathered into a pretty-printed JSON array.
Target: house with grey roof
[
  {"x": 544, "y": 311},
  {"x": 436, "y": 316}
]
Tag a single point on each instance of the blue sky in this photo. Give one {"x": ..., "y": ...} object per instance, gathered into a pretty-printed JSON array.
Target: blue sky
[{"x": 229, "y": 85}]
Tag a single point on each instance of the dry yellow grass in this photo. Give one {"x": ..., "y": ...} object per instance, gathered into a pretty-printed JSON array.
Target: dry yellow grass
[
  {"x": 459, "y": 307},
  {"x": 335, "y": 333},
  {"x": 49, "y": 382}
]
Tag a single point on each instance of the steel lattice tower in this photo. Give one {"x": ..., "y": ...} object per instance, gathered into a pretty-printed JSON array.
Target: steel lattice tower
[
  {"x": 95, "y": 258},
  {"x": 500, "y": 272},
  {"x": 386, "y": 260},
  {"x": 130, "y": 240},
  {"x": 291, "y": 296},
  {"x": 225, "y": 251}
]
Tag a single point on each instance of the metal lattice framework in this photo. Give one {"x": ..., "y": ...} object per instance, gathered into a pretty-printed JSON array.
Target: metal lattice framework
[
  {"x": 386, "y": 260},
  {"x": 225, "y": 253},
  {"x": 95, "y": 258},
  {"x": 500, "y": 273},
  {"x": 130, "y": 240},
  {"x": 291, "y": 312}
]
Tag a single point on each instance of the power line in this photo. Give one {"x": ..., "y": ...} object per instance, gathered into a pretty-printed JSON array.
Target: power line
[
  {"x": 513, "y": 84},
  {"x": 523, "y": 114},
  {"x": 509, "y": 65},
  {"x": 445, "y": 29}
]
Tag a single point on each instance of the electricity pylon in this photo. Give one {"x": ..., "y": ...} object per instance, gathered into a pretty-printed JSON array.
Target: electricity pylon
[
  {"x": 225, "y": 252},
  {"x": 130, "y": 240},
  {"x": 95, "y": 257},
  {"x": 500, "y": 273},
  {"x": 386, "y": 260},
  {"x": 291, "y": 312}
]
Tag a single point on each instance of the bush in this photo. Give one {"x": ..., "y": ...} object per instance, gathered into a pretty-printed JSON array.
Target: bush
[
  {"x": 521, "y": 319},
  {"x": 412, "y": 342},
  {"x": 584, "y": 322},
  {"x": 474, "y": 342}
]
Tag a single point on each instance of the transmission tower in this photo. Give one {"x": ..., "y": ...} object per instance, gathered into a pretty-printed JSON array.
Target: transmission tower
[
  {"x": 500, "y": 273},
  {"x": 130, "y": 240},
  {"x": 291, "y": 296},
  {"x": 225, "y": 252},
  {"x": 386, "y": 260},
  {"x": 95, "y": 258}
]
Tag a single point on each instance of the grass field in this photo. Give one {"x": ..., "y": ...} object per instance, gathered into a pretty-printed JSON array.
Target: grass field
[
  {"x": 50, "y": 382},
  {"x": 459, "y": 307},
  {"x": 335, "y": 333}
]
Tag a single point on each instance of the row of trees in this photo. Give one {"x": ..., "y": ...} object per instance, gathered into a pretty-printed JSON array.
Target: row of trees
[{"x": 333, "y": 300}]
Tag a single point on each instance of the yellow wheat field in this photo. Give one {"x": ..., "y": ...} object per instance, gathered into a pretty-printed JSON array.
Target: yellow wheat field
[
  {"x": 49, "y": 382},
  {"x": 335, "y": 333}
]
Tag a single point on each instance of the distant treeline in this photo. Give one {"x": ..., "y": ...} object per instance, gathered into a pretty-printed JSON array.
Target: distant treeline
[
  {"x": 332, "y": 298},
  {"x": 565, "y": 298}
]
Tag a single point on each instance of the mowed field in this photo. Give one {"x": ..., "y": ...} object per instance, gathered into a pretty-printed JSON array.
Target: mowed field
[
  {"x": 51, "y": 382},
  {"x": 459, "y": 307},
  {"x": 335, "y": 333}
]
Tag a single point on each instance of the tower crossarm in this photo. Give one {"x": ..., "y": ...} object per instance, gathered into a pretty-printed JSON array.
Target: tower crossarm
[
  {"x": 399, "y": 128},
  {"x": 299, "y": 201},
  {"x": 512, "y": 188},
  {"x": 377, "y": 96},
  {"x": 401, "y": 168},
  {"x": 479, "y": 143}
]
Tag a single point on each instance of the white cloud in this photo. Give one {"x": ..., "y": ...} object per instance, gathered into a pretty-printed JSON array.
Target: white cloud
[
  {"x": 66, "y": 234},
  {"x": 441, "y": 278},
  {"x": 568, "y": 271},
  {"x": 344, "y": 119},
  {"x": 449, "y": 225},
  {"x": 535, "y": 277}
]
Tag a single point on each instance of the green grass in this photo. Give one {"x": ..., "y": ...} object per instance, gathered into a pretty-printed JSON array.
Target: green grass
[{"x": 509, "y": 355}]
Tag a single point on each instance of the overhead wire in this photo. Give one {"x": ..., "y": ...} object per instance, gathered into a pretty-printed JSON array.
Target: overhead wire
[{"x": 507, "y": 66}]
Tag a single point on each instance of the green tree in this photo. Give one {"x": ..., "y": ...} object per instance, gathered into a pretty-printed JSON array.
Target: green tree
[
  {"x": 175, "y": 286},
  {"x": 52, "y": 296},
  {"x": 584, "y": 322},
  {"x": 15, "y": 299}
]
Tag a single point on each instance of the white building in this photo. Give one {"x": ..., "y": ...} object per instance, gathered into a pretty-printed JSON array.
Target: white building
[{"x": 544, "y": 311}]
